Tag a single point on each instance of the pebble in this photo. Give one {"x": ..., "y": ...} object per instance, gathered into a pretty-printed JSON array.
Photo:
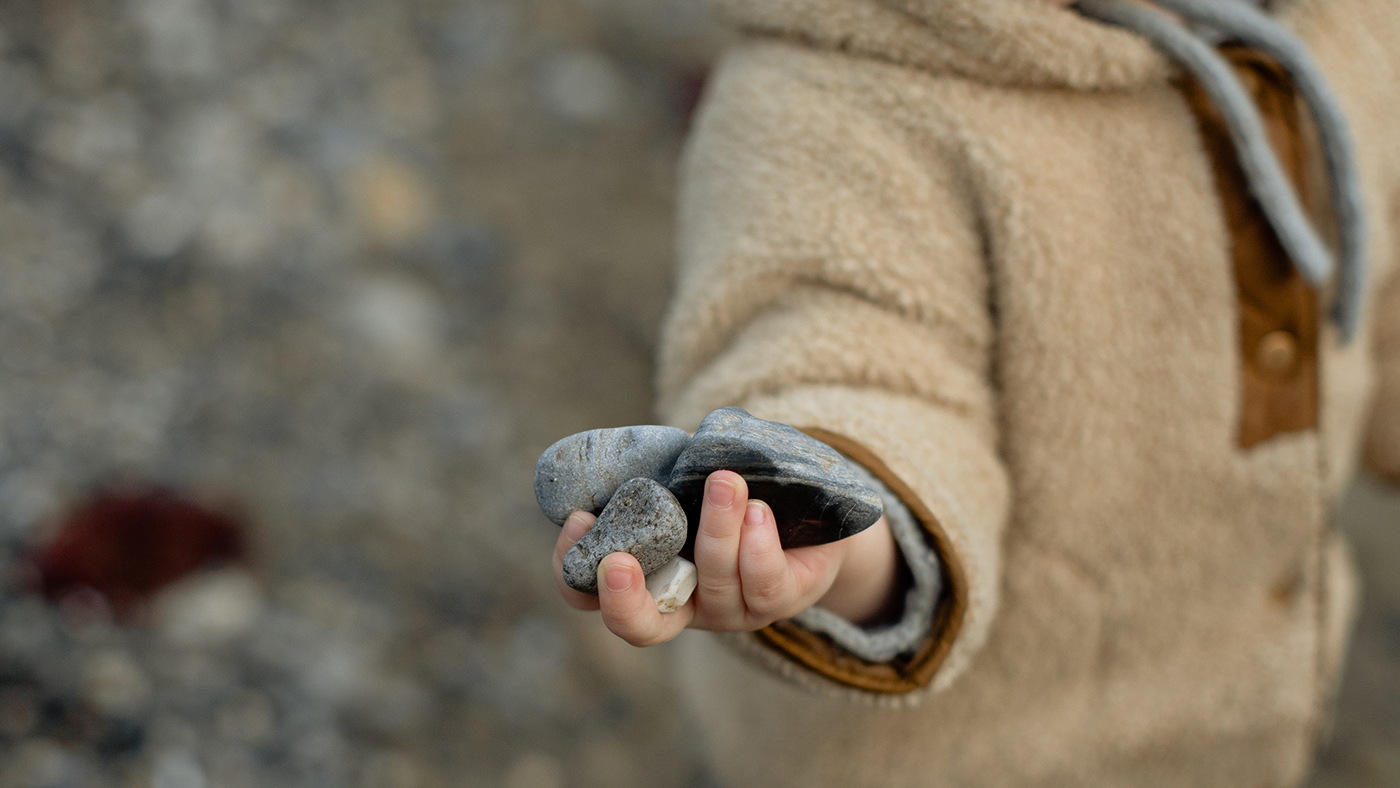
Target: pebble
[
  {"x": 249, "y": 718},
  {"x": 535, "y": 770},
  {"x": 114, "y": 684},
  {"x": 813, "y": 493},
  {"x": 398, "y": 316},
  {"x": 581, "y": 472},
  {"x": 18, "y": 711},
  {"x": 643, "y": 519},
  {"x": 210, "y": 608},
  {"x": 672, "y": 584},
  {"x": 394, "y": 200},
  {"x": 582, "y": 86},
  {"x": 177, "y": 769}
]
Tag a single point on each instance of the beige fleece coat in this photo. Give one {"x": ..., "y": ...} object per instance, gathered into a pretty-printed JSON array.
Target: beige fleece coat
[{"x": 981, "y": 240}]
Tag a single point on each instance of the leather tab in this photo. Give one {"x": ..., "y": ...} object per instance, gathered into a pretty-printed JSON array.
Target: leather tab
[{"x": 1279, "y": 311}]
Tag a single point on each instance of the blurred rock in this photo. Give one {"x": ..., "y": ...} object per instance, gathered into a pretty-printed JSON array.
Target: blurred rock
[
  {"x": 249, "y": 718},
  {"x": 392, "y": 769},
  {"x": 389, "y": 705},
  {"x": 18, "y": 710},
  {"x": 582, "y": 86},
  {"x": 535, "y": 770},
  {"x": 177, "y": 769},
  {"x": 160, "y": 224},
  {"x": 394, "y": 201},
  {"x": 180, "y": 37},
  {"x": 605, "y": 761},
  {"x": 209, "y": 609},
  {"x": 42, "y": 763},
  {"x": 114, "y": 684},
  {"x": 397, "y": 316}
]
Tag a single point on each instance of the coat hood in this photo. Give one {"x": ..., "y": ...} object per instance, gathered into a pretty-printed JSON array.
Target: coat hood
[{"x": 1010, "y": 42}]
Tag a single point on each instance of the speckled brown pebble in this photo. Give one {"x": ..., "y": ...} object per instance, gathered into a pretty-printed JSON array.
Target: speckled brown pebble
[{"x": 643, "y": 519}]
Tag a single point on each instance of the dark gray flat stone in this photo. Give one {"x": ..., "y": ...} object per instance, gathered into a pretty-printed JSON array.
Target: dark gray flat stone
[
  {"x": 643, "y": 519},
  {"x": 581, "y": 472},
  {"x": 813, "y": 493}
]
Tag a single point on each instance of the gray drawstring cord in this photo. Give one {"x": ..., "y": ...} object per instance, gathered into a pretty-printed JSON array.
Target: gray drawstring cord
[
  {"x": 1262, "y": 170},
  {"x": 1260, "y": 30}
]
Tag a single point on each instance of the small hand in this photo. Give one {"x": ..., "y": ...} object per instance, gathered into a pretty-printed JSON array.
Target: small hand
[{"x": 746, "y": 580}]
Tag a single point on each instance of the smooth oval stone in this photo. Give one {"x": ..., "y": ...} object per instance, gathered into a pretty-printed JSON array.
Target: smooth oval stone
[
  {"x": 581, "y": 472},
  {"x": 643, "y": 519},
  {"x": 813, "y": 493}
]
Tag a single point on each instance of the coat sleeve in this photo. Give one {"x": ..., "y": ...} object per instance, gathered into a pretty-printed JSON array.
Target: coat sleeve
[
  {"x": 1361, "y": 49},
  {"x": 833, "y": 277},
  {"x": 1382, "y": 451}
]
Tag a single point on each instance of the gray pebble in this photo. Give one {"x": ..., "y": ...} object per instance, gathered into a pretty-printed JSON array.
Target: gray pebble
[
  {"x": 813, "y": 493},
  {"x": 581, "y": 472},
  {"x": 643, "y": 519}
]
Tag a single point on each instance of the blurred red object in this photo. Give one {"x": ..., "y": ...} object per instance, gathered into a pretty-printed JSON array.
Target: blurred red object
[{"x": 128, "y": 544}]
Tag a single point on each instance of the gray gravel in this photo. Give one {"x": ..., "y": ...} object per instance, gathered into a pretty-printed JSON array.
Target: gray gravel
[{"x": 343, "y": 269}]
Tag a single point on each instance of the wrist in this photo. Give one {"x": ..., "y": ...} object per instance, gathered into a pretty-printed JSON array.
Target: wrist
[{"x": 867, "y": 588}]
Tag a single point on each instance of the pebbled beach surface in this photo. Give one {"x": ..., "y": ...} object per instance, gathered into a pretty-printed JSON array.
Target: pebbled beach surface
[{"x": 339, "y": 271}]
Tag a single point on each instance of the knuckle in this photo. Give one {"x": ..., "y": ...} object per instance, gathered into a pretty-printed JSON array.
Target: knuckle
[
  {"x": 637, "y": 637},
  {"x": 714, "y": 588},
  {"x": 624, "y": 624},
  {"x": 766, "y": 596},
  {"x": 652, "y": 639}
]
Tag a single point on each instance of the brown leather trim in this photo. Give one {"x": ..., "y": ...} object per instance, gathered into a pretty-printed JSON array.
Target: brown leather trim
[
  {"x": 1279, "y": 311},
  {"x": 818, "y": 654}
]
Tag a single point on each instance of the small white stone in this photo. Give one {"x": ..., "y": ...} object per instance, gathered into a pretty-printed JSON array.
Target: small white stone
[
  {"x": 672, "y": 584},
  {"x": 210, "y": 609}
]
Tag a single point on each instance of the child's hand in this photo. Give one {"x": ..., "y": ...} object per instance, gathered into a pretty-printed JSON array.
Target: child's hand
[{"x": 746, "y": 580}]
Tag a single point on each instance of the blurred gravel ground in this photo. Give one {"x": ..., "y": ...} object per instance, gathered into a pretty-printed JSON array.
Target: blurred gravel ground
[
  {"x": 1363, "y": 747},
  {"x": 343, "y": 268}
]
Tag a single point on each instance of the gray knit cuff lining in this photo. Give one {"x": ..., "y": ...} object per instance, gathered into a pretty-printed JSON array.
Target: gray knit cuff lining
[{"x": 881, "y": 644}]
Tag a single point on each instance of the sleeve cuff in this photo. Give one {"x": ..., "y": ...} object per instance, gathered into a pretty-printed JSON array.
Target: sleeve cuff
[
  {"x": 913, "y": 664},
  {"x": 884, "y": 643}
]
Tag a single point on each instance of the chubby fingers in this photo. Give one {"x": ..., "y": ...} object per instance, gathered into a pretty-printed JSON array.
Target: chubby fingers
[
  {"x": 628, "y": 608},
  {"x": 574, "y": 528}
]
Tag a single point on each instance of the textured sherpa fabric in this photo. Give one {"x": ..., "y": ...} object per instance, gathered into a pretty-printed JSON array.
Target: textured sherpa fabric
[
  {"x": 1268, "y": 182},
  {"x": 980, "y": 239}
]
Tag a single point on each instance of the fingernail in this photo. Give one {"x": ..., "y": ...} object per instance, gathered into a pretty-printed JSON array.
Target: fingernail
[
  {"x": 574, "y": 525},
  {"x": 719, "y": 493},
  {"x": 618, "y": 578},
  {"x": 753, "y": 514}
]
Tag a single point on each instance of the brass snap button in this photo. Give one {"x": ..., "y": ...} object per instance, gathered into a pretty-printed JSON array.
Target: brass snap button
[{"x": 1277, "y": 353}]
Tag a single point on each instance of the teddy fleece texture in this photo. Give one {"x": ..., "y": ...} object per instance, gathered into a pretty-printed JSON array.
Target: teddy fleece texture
[{"x": 979, "y": 239}]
